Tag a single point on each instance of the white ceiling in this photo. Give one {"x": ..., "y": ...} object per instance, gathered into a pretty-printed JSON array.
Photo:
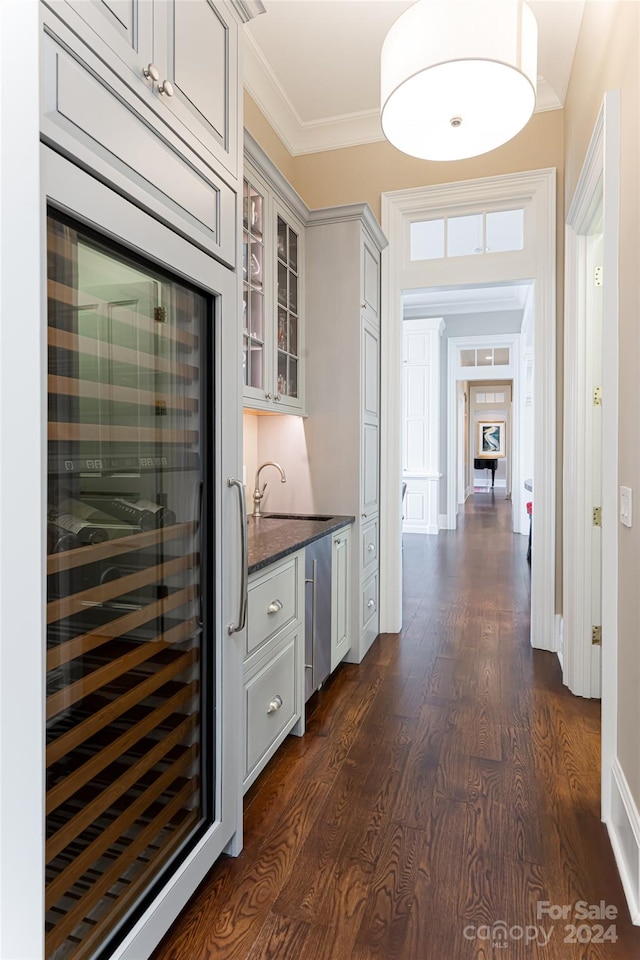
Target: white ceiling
[{"x": 313, "y": 66}]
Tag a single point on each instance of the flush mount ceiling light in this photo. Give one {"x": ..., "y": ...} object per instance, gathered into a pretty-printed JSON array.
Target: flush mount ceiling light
[{"x": 458, "y": 77}]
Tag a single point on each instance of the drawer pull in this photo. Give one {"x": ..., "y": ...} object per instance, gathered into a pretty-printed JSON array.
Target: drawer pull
[
  {"x": 371, "y": 603},
  {"x": 275, "y": 704},
  {"x": 275, "y": 606},
  {"x": 371, "y": 548}
]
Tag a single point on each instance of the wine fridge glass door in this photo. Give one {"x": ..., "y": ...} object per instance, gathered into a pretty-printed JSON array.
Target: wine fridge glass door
[{"x": 130, "y": 691}]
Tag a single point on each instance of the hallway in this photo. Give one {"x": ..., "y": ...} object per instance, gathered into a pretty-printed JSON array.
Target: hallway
[{"x": 447, "y": 783}]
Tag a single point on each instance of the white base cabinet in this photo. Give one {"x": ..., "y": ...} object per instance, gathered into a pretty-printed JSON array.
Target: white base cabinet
[{"x": 273, "y": 671}]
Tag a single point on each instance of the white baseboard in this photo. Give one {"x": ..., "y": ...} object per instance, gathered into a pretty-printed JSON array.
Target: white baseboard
[
  {"x": 443, "y": 521},
  {"x": 486, "y": 484},
  {"x": 429, "y": 528},
  {"x": 624, "y": 833}
]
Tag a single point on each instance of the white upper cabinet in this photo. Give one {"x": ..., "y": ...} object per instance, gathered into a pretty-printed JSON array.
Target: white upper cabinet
[
  {"x": 183, "y": 60},
  {"x": 370, "y": 282},
  {"x": 273, "y": 304},
  {"x": 145, "y": 94}
]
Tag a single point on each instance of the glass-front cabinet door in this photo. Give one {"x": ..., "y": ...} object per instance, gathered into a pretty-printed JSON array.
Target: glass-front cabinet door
[
  {"x": 130, "y": 677},
  {"x": 288, "y": 308},
  {"x": 254, "y": 351},
  {"x": 273, "y": 298}
]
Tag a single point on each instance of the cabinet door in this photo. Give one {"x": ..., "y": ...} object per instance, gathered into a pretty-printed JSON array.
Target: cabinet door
[
  {"x": 256, "y": 373},
  {"x": 288, "y": 387},
  {"x": 196, "y": 51},
  {"x": 370, "y": 372},
  {"x": 340, "y": 598},
  {"x": 370, "y": 282},
  {"x": 125, "y": 26},
  {"x": 370, "y": 469}
]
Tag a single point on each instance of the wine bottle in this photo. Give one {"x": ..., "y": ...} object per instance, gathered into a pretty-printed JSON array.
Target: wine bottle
[
  {"x": 84, "y": 511},
  {"x": 85, "y": 531},
  {"x": 59, "y": 539},
  {"x": 147, "y": 514}
]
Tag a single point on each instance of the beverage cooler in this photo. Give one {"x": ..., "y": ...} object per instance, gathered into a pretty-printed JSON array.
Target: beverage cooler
[{"x": 138, "y": 732}]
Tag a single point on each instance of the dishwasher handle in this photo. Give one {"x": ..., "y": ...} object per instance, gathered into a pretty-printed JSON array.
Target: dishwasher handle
[{"x": 244, "y": 557}]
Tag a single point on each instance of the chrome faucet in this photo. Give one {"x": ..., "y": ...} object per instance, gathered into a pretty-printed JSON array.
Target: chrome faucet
[{"x": 258, "y": 494}]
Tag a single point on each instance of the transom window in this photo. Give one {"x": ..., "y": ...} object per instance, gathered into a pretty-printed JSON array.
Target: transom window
[
  {"x": 485, "y": 357},
  {"x": 477, "y": 233}
]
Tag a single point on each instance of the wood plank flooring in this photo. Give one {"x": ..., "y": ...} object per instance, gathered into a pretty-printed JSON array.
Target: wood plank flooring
[{"x": 446, "y": 784}]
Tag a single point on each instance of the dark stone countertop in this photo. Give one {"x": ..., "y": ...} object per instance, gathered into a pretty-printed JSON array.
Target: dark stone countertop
[{"x": 274, "y": 536}]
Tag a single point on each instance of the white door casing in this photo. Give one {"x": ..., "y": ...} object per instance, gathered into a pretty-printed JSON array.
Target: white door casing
[
  {"x": 598, "y": 185},
  {"x": 535, "y": 191}
]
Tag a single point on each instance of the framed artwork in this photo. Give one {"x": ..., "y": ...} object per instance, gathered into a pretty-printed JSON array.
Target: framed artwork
[{"x": 491, "y": 439}]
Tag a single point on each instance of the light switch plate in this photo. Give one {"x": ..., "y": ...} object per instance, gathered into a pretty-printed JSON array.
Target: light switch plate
[{"x": 625, "y": 506}]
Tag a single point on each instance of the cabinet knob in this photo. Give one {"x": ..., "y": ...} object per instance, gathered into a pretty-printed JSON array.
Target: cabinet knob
[
  {"x": 364, "y": 516},
  {"x": 166, "y": 88},
  {"x": 275, "y": 704},
  {"x": 151, "y": 72},
  {"x": 363, "y": 305},
  {"x": 275, "y": 606},
  {"x": 338, "y": 540},
  {"x": 371, "y": 603},
  {"x": 267, "y": 396},
  {"x": 371, "y": 548},
  {"x": 277, "y": 398}
]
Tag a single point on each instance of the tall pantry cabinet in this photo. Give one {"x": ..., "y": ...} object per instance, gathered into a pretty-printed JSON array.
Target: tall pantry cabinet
[
  {"x": 126, "y": 719},
  {"x": 343, "y": 254}
]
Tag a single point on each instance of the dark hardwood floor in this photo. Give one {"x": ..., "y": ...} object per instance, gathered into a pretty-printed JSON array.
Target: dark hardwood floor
[{"x": 446, "y": 784}]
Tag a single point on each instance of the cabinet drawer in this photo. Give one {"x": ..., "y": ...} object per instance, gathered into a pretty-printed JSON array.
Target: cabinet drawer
[
  {"x": 369, "y": 548},
  {"x": 89, "y": 113},
  {"x": 270, "y": 703},
  {"x": 272, "y": 604},
  {"x": 369, "y": 600}
]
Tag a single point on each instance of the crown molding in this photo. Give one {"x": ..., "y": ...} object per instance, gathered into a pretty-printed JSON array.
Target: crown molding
[
  {"x": 330, "y": 133},
  {"x": 248, "y": 9},
  {"x": 348, "y": 212}
]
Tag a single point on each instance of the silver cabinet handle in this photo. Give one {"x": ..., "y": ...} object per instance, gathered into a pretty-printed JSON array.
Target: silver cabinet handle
[
  {"x": 151, "y": 72},
  {"x": 312, "y": 666},
  {"x": 244, "y": 557},
  {"x": 166, "y": 88},
  {"x": 275, "y": 704},
  {"x": 371, "y": 548},
  {"x": 371, "y": 603},
  {"x": 275, "y": 606}
]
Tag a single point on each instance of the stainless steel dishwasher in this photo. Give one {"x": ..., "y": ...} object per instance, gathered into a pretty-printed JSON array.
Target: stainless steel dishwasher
[{"x": 317, "y": 614}]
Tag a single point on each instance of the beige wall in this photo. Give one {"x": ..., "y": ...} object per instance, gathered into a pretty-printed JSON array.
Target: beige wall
[{"x": 607, "y": 59}]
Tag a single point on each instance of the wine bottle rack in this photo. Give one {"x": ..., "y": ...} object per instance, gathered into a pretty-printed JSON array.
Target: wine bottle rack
[{"x": 125, "y": 693}]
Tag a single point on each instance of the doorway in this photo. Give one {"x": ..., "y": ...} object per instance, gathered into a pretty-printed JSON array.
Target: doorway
[{"x": 433, "y": 216}]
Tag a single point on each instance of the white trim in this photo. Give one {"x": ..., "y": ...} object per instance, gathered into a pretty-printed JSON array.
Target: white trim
[
  {"x": 599, "y": 184},
  {"x": 442, "y": 520},
  {"x": 559, "y": 637},
  {"x": 624, "y": 834},
  {"x": 538, "y": 188},
  {"x": 22, "y": 488}
]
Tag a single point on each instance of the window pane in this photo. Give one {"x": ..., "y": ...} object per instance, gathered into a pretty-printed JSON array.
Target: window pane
[
  {"x": 464, "y": 235},
  {"x": 467, "y": 358},
  {"x": 505, "y": 231},
  {"x": 485, "y": 357},
  {"x": 501, "y": 356},
  {"x": 427, "y": 240}
]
